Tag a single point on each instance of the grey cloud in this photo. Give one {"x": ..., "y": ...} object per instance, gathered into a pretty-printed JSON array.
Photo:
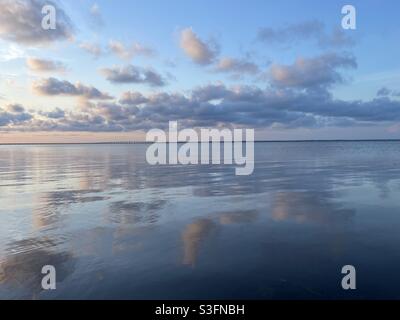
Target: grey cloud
[
  {"x": 384, "y": 92},
  {"x": 14, "y": 108},
  {"x": 132, "y": 98},
  {"x": 259, "y": 108},
  {"x": 307, "y": 30},
  {"x": 53, "y": 87},
  {"x": 289, "y": 33},
  {"x": 242, "y": 106},
  {"x": 55, "y": 114},
  {"x": 210, "y": 92},
  {"x": 21, "y": 22},
  {"x": 13, "y": 115},
  {"x": 133, "y": 74},
  {"x": 311, "y": 72},
  {"x": 338, "y": 38},
  {"x": 298, "y": 97}
]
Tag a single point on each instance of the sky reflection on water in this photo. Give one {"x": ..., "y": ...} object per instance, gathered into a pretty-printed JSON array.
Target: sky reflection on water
[{"x": 115, "y": 227}]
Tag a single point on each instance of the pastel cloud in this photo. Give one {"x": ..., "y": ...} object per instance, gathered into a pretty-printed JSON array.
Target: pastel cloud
[
  {"x": 45, "y": 65},
  {"x": 236, "y": 66},
  {"x": 127, "y": 53},
  {"x": 92, "y": 48},
  {"x": 54, "y": 87},
  {"x": 196, "y": 49}
]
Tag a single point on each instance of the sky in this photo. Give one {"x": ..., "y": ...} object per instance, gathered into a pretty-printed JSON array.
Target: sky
[{"x": 112, "y": 70}]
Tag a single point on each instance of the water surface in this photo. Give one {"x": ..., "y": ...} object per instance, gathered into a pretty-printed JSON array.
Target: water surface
[{"x": 117, "y": 228}]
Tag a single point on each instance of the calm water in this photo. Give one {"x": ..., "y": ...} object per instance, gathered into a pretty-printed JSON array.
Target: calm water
[{"x": 115, "y": 227}]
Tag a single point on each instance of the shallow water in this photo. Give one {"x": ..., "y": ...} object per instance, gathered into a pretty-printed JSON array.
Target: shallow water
[{"x": 115, "y": 227}]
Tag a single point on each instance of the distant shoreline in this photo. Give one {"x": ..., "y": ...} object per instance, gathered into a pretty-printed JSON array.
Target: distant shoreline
[{"x": 144, "y": 142}]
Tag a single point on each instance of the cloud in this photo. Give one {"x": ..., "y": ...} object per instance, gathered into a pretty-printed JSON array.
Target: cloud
[
  {"x": 132, "y": 98},
  {"x": 307, "y": 30},
  {"x": 210, "y": 92},
  {"x": 92, "y": 48},
  {"x": 133, "y": 74},
  {"x": 21, "y": 22},
  {"x": 55, "y": 114},
  {"x": 236, "y": 66},
  {"x": 120, "y": 50},
  {"x": 384, "y": 92},
  {"x": 96, "y": 16},
  {"x": 297, "y": 97},
  {"x": 127, "y": 53},
  {"x": 14, "y": 108},
  {"x": 199, "y": 51},
  {"x": 44, "y": 65},
  {"x": 54, "y": 87},
  {"x": 316, "y": 72},
  {"x": 13, "y": 115},
  {"x": 337, "y": 39},
  {"x": 248, "y": 106},
  {"x": 290, "y": 33}
]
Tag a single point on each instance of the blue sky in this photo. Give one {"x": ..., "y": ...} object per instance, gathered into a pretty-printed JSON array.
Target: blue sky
[{"x": 286, "y": 68}]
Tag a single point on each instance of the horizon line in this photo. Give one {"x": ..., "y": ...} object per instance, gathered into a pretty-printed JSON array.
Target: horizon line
[{"x": 145, "y": 142}]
